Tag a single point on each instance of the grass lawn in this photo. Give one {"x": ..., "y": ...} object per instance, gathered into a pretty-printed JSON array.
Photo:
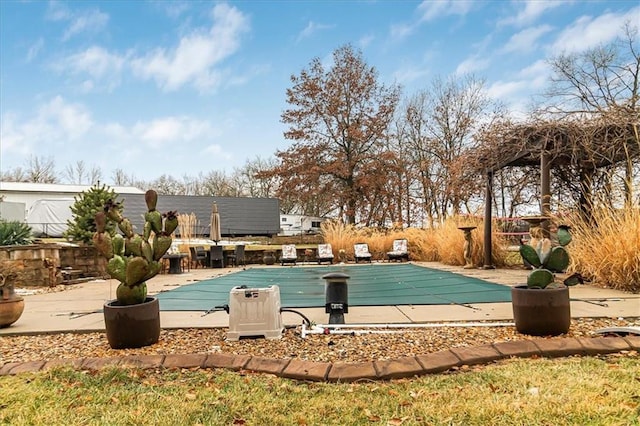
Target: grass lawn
[{"x": 569, "y": 391}]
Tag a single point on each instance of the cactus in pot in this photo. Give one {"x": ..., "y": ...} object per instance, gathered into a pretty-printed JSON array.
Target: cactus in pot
[
  {"x": 547, "y": 260},
  {"x": 133, "y": 259},
  {"x": 542, "y": 306}
]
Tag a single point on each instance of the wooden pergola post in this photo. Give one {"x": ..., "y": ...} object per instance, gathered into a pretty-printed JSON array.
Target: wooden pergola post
[
  {"x": 488, "y": 256},
  {"x": 545, "y": 190}
]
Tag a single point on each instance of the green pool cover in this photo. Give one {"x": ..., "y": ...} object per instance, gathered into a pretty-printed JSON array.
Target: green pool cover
[{"x": 369, "y": 285}]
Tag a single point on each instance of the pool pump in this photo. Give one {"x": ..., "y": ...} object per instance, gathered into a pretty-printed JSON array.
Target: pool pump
[{"x": 336, "y": 296}]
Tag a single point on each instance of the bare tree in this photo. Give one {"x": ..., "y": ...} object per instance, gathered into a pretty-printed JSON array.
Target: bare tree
[
  {"x": 438, "y": 125},
  {"x": 79, "y": 174},
  {"x": 217, "y": 183},
  {"x": 168, "y": 185},
  {"x": 252, "y": 184},
  {"x": 15, "y": 175},
  {"x": 602, "y": 82},
  {"x": 41, "y": 170},
  {"x": 121, "y": 178}
]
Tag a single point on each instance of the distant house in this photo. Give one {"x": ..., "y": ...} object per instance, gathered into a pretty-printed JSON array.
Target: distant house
[
  {"x": 295, "y": 224},
  {"x": 47, "y": 209}
]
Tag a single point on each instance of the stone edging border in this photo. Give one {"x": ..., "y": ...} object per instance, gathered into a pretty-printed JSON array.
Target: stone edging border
[{"x": 297, "y": 369}]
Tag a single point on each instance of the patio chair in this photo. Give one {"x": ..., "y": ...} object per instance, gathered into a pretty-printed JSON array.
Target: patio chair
[
  {"x": 237, "y": 257},
  {"x": 361, "y": 252},
  {"x": 216, "y": 257},
  {"x": 198, "y": 256},
  {"x": 289, "y": 254},
  {"x": 399, "y": 251},
  {"x": 325, "y": 253}
]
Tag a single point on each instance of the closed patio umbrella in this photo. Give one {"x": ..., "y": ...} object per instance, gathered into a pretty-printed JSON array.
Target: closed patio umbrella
[{"x": 214, "y": 232}]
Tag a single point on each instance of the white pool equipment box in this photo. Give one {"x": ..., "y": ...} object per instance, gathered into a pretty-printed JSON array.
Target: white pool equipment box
[{"x": 254, "y": 312}]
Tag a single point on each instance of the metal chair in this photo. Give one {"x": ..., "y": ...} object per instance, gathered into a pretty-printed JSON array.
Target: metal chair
[
  {"x": 361, "y": 252},
  {"x": 400, "y": 251},
  {"x": 289, "y": 254},
  {"x": 198, "y": 256},
  {"x": 325, "y": 253},
  {"x": 216, "y": 257},
  {"x": 237, "y": 257}
]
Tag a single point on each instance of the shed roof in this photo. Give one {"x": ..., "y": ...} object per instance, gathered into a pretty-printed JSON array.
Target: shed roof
[{"x": 60, "y": 188}]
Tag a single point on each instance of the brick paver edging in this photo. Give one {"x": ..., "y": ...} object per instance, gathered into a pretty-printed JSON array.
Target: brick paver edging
[{"x": 436, "y": 362}]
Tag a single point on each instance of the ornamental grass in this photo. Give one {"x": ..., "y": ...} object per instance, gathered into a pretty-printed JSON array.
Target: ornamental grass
[
  {"x": 441, "y": 244},
  {"x": 606, "y": 248}
]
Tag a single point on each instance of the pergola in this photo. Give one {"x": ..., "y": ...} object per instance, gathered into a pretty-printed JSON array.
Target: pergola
[{"x": 586, "y": 145}]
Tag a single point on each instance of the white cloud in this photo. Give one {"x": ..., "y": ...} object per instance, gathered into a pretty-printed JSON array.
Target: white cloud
[
  {"x": 536, "y": 70},
  {"x": 175, "y": 9},
  {"x": 161, "y": 131},
  {"x": 533, "y": 9},
  {"x": 587, "y": 32},
  {"x": 525, "y": 40},
  {"x": 430, "y": 10},
  {"x": 433, "y": 9},
  {"x": 194, "y": 60},
  {"x": 504, "y": 89},
  {"x": 517, "y": 92},
  {"x": 55, "y": 122},
  {"x": 68, "y": 120},
  {"x": 410, "y": 74},
  {"x": 57, "y": 11},
  {"x": 365, "y": 41},
  {"x": 472, "y": 65},
  {"x": 97, "y": 62},
  {"x": 311, "y": 29},
  {"x": 35, "y": 49},
  {"x": 104, "y": 68},
  {"x": 91, "y": 21},
  {"x": 64, "y": 131},
  {"x": 400, "y": 31}
]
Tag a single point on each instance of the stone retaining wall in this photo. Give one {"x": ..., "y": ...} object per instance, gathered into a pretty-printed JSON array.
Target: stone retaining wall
[{"x": 51, "y": 264}]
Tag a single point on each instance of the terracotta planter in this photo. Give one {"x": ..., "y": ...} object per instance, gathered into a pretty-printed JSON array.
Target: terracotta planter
[
  {"x": 541, "y": 312},
  {"x": 10, "y": 310},
  {"x": 132, "y": 326}
]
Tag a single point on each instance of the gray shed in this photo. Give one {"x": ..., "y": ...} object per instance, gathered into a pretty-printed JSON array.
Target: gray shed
[{"x": 239, "y": 216}]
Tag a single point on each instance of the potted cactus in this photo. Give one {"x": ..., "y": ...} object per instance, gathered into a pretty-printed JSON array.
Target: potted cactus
[
  {"x": 133, "y": 319},
  {"x": 541, "y": 308}
]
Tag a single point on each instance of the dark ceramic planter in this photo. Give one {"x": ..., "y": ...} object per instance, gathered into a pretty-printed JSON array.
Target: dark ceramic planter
[
  {"x": 541, "y": 312},
  {"x": 132, "y": 326},
  {"x": 10, "y": 310},
  {"x": 269, "y": 258}
]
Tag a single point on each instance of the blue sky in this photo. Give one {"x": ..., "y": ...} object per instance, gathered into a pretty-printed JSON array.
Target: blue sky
[{"x": 183, "y": 87}]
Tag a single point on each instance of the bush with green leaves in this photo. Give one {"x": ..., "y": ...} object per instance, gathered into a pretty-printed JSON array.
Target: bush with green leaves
[
  {"x": 14, "y": 233},
  {"x": 82, "y": 225}
]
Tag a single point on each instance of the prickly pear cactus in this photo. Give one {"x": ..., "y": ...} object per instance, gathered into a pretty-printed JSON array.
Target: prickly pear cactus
[
  {"x": 547, "y": 260},
  {"x": 133, "y": 259}
]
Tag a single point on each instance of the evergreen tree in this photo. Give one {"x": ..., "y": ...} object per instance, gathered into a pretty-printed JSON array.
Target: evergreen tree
[{"x": 82, "y": 226}]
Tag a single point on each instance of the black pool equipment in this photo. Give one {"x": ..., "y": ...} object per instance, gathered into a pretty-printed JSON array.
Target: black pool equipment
[{"x": 336, "y": 296}]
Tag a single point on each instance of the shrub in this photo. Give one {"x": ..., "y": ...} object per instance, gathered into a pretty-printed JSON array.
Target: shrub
[
  {"x": 82, "y": 226},
  {"x": 14, "y": 233}
]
